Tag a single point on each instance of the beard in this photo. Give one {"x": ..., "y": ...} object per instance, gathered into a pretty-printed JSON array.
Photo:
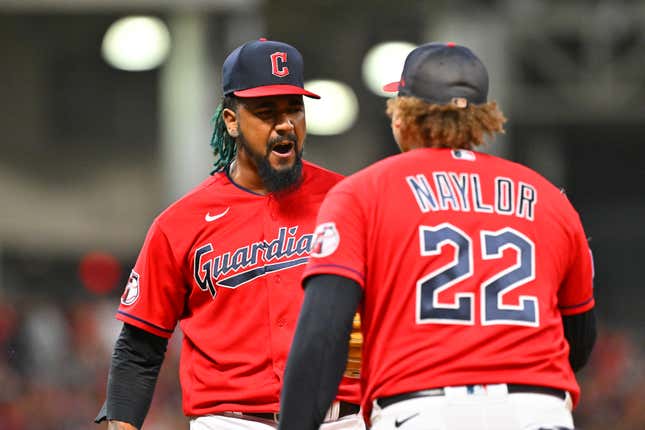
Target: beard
[{"x": 275, "y": 180}]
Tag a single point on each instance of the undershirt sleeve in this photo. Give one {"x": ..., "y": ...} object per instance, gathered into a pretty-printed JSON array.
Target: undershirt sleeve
[
  {"x": 580, "y": 332},
  {"x": 134, "y": 369},
  {"x": 319, "y": 350}
]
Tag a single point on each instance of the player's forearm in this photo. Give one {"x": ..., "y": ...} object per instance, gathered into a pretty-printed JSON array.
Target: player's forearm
[
  {"x": 580, "y": 332},
  {"x": 318, "y": 352},
  {"x": 135, "y": 366},
  {"x": 120, "y": 425}
]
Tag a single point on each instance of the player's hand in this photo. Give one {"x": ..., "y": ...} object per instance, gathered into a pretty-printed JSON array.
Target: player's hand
[{"x": 120, "y": 425}]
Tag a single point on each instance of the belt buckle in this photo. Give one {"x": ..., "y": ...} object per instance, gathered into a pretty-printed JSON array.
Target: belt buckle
[{"x": 269, "y": 416}]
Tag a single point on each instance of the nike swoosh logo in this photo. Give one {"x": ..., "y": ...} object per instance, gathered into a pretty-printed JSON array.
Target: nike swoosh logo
[
  {"x": 210, "y": 218},
  {"x": 399, "y": 423}
]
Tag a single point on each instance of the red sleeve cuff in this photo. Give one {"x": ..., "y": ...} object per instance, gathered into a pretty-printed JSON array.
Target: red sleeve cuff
[
  {"x": 143, "y": 324},
  {"x": 578, "y": 308},
  {"x": 333, "y": 269}
]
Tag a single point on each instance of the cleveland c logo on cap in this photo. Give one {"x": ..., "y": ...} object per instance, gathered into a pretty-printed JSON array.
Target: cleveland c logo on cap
[{"x": 278, "y": 64}]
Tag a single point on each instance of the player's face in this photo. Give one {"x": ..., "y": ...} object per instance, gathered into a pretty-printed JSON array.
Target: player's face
[{"x": 271, "y": 134}]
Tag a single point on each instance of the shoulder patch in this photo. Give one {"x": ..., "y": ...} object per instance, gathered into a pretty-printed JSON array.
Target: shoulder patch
[
  {"x": 325, "y": 241},
  {"x": 131, "y": 293}
]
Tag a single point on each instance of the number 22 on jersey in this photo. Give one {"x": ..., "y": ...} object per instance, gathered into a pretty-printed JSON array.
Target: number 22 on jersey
[{"x": 491, "y": 292}]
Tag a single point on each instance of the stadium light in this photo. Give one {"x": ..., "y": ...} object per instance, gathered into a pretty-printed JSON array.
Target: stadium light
[
  {"x": 335, "y": 112},
  {"x": 136, "y": 43},
  {"x": 383, "y": 64}
]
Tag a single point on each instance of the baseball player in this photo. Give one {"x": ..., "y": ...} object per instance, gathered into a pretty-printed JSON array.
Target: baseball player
[
  {"x": 473, "y": 274},
  {"x": 225, "y": 261}
]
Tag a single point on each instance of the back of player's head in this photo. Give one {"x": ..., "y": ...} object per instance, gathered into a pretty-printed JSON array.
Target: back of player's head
[
  {"x": 442, "y": 99},
  {"x": 443, "y": 73}
]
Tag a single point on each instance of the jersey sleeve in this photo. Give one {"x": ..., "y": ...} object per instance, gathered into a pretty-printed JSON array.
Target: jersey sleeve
[
  {"x": 576, "y": 292},
  {"x": 338, "y": 246},
  {"x": 154, "y": 296}
]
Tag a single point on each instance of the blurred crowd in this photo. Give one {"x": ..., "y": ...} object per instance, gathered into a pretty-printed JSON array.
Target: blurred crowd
[{"x": 54, "y": 358}]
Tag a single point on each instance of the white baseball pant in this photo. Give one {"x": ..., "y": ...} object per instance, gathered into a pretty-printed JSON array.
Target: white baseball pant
[
  {"x": 235, "y": 421},
  {"x": 488, "y": 407}
]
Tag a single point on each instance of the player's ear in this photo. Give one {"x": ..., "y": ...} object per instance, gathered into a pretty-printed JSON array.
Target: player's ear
[
  {"x": 395, "y": 119},
  {"x": 230, "y": 120}
]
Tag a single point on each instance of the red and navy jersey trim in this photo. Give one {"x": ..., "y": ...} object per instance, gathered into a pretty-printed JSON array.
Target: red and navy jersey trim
[
  {"x": 156, "y": 327},
  {"x": 314, "y": 268},
  {"x": 579, "y": 305},
  {"x": 228, "y": 175}
]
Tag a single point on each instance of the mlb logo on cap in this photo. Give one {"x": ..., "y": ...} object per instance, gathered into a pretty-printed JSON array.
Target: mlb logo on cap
[{"x": 262, "y": 68}]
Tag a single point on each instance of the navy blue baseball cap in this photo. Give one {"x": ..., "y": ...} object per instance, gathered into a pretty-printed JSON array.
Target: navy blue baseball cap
[
  {"x": 261, "y": 68},
  {"x": 443, "y": 73}
]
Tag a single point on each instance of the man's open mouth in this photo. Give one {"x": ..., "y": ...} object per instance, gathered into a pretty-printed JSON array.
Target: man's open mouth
[{"x": 283, "y": 147}]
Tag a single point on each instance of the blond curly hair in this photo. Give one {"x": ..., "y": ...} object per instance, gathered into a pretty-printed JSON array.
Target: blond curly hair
[{"x": 446, "y": 126}]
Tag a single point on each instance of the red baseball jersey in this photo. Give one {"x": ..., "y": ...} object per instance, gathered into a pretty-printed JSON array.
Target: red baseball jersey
[
  {"x": 226, "y": 263},
  {"x": 467, "y": 262}
]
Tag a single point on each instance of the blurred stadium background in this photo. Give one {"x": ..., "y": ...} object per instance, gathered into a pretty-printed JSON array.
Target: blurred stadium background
[{"x": 93, "y": 146}]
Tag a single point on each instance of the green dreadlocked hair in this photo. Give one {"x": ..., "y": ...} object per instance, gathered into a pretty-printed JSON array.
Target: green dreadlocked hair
[{"x": 223, "y": 144}]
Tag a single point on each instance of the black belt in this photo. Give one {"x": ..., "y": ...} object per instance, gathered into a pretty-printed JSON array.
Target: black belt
[
  {"x": 344, "y": 409},
  {"x": 384, "y": 402}
]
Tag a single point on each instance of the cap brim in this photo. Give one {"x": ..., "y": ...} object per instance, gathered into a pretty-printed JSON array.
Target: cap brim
[
  {"x": 275, "y": 90},
  {"x": 392, "y": 87}
]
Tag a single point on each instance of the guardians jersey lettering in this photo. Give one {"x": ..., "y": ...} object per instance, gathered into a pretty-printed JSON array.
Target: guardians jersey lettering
[
  {"x": 456, "y": 191},
  {"x": 244, "y": 334},
  {"x": 286, "y": 245}
]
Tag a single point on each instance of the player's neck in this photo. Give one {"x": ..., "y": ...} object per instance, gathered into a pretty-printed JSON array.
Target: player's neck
[{"x": 244, "y": 174}]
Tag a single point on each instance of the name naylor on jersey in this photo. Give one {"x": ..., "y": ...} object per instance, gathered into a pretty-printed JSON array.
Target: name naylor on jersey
[
  {"x": 261, "y": 257},
  {"x": 463, "y": 192}
]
